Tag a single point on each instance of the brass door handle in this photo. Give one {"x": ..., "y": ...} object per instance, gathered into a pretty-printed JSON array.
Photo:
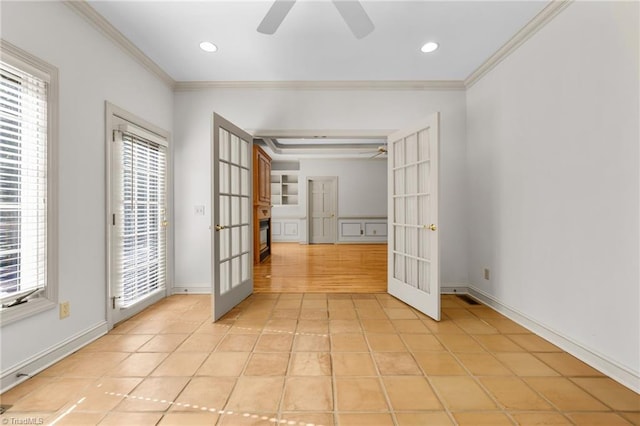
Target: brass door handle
[
  {"x": 432, "y": 227},
  {"x": 219, "y": 227}
]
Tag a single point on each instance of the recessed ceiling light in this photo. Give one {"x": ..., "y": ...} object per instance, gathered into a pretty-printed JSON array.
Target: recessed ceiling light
[
  {"x": 207, "y": 46},
  {"x": 429, "y": 47}
]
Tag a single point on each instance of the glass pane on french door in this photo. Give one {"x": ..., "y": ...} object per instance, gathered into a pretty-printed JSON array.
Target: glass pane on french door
[
  {"x": 139, "y": 204},
  {"x": 232, "y": 221},
  {"x": 234, "y": 195}
]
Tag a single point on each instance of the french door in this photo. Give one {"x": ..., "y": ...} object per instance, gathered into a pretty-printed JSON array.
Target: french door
[
  {"x": 138, "y": 259},
  {"x": 414, "y": 272},
  {"x": 232, "y": 232}
]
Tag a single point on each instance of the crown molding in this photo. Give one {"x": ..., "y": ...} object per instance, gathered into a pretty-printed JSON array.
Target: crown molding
[
  {"x": 314, "y": 133},
  {"x": 320, "y": 148},
  {"x": 187, "y": 86},
  {"x": 84, "y": 9},
  {"x": 540, "y": 20}
]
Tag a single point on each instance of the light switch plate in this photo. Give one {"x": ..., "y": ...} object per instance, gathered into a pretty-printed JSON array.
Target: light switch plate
[{"x": 199, "y": 210}]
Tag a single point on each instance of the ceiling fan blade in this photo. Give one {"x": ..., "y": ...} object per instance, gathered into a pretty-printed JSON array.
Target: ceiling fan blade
[
  {"x": 377, "y": 155},
  {"x": 275, "y": 16},
  {"x": 355, "y": 16}
]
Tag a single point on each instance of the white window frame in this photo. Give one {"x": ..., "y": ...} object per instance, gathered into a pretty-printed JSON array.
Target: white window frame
[
  {"x": 114, "y": 116},
  {"x": 47, "y": 299}
]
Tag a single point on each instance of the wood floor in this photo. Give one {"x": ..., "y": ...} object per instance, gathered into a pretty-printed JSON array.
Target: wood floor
[{"x": 323, "y": 268}]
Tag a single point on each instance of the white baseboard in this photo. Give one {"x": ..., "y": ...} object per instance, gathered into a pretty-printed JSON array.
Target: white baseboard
[
  {"x": 35, "y": 364},
  {"x": 602, "y": 363},
  {"x": 191, "y": 290}
]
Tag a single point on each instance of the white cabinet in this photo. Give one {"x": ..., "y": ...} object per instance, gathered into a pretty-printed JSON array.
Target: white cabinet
[
  {"x": 362, "y": 229},
  {"x": 284, "y": 188}
]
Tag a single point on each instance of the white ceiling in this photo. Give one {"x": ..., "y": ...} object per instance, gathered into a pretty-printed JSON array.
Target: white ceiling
[{"x": 313, "y": 43}]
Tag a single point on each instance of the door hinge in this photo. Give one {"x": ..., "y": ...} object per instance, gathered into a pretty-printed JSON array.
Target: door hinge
[
  {"x": 113, "y": 219},
  {"x": 113, "y": 301}
]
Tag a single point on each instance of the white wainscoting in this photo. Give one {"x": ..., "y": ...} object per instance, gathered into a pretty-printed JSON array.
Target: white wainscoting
[
  {"x": 285, "y": 229},
  {"x": 362, "y": 229}
]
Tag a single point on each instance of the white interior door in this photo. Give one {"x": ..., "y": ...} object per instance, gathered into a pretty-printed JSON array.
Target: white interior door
[
  {"x": 232, "y": 236},
  {"x": 322, "y": 210},
  {"x": 414, "y": 272}
]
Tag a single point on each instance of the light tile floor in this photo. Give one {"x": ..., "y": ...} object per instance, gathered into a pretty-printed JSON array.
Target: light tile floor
[{"x": 320, "y": 359}]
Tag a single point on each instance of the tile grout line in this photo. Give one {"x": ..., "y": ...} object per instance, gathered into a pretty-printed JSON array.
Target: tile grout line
[
  {"x": 286, "y": 373},
  {"x": 522, "y": 378},
  {"x": 469, "y": 374},
  {"x": 501, "y": 409},
  {"x": 334, "y": 383},
  {"x": 381, "y": 383},
  {"x": 535, "y": 354},
  {"x": 476, "y": 378}
]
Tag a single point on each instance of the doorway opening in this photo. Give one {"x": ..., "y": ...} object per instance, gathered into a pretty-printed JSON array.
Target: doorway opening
[
  {"x": 412, "y": 202},
  {"x": 328, "y": 191},
  {"x": 138, "y": 208}
]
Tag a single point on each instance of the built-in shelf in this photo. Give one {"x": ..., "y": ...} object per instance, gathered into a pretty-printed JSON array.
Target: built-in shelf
[{"x": 284, "y": 188}]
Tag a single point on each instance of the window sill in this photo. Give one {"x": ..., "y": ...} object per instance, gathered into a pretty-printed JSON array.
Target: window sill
[{"x": 32, "y": 307}]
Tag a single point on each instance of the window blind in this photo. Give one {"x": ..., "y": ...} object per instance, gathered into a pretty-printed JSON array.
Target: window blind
[
  {"x": 139, "y": 220},
  {"x": 23, "y": 182}
]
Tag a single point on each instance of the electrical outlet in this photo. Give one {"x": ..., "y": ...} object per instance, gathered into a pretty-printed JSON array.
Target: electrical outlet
[
  {"x": 199, "y": 210},
  {"x": 65, "y": 310},
  {"x": 486, "y": 273}
]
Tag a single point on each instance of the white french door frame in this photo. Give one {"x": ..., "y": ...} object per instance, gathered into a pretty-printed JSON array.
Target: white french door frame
[
  {"x": 114, "y": 115},
  {"x": 334, "y": 222}
]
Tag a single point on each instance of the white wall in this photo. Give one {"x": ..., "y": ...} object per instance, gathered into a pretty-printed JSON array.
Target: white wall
[
  {"x": 553, "y": 180},
  {"x": 92, "y": 69},
  {"x": 310, "y": 109},
  {"x": 362, "y": 189},
  {"x": 362, "y": 184}
]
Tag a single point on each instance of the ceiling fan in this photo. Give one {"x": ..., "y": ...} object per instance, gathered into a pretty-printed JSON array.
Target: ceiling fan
[
  {"x": 351, "y": 10},
  {"x": 381, "y": 150}
]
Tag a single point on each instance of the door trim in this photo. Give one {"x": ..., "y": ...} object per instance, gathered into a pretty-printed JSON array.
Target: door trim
[
  {"x": 113, "y": 113},
  {"x": 308, "y": 180}
]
